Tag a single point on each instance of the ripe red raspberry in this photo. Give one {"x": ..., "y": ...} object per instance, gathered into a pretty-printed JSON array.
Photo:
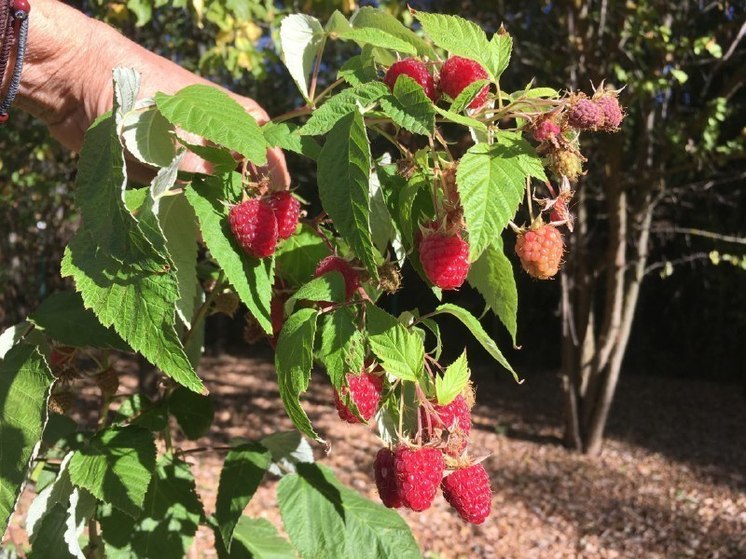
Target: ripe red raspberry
[
  {"x": 453, "y": 416},
  {"x": 365, "y": 390},
  {"x": 287, "y": 211},
  {"x": 416, "y": 70},
  {"x": 254, "y": 226},
  {"x": 445, "y": 259},
  {"x": 60, "y": 358},
  {"x": 585, "y": 114},
  {"x": 468, "y": 491},
  {"x": 337, "y": 264},
  {"x": 612, "y": 111},
  {"x": 457, "y": 73},
  {"x": 540, "y": 251},
  {"x": 419, "y": 472},
  {"x": 386, "y": 478},
  {"x": 546, "y": 130}
]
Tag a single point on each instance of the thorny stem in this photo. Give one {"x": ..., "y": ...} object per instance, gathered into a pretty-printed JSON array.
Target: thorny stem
[
  {"x": 442, "y": 142},
  {"x": 316, "y": 226}
]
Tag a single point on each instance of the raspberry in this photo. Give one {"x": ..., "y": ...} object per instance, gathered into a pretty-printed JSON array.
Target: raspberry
[
  {"x": 389, "y": 277},
  {"x": 560, "y": 212},
  {"x": 419, "y": 472},
  {"x": 60, "y": 358},
  {"x": 454, "y": 417},
  {"x": 365, "y": 391},
  {"x": 61, "y": 402},
  {"x": 108, "y": 382},
  {"x": 416, "y": 70},
  {"x": 546, "y": 130},
  {"x": 565, "y": 163},
  {"x": 337, "y": 264},
  {"x": 386, "y": 478},
  {"x": 254, "y": 226},
  {"x": 612, "y": 111},
  {"x": 287, "y": 212},
  {"x": 468, "y": 491},
  {"x": 457, "y": 73},
  {"x": 585, "y": 114},
  {"x": 540, "y": 251},
  {"x": 445, "y": 259}
]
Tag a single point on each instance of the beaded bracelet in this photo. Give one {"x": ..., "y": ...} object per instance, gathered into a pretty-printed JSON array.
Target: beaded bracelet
[{"x": 13, "y": 30}]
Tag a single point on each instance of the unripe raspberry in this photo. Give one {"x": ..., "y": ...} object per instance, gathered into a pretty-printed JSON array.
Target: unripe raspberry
[
  {"x": 108, "y": 382},
  {"x": 455, "y": 419},
  {"x": 365, "y": 390},
  {"x": 415, "y": 69},
  {"x": 468, "y": 491},
  {"x": 444, "y": 258},
  {"x": 546, "y": 130},
  {"x": 254, "y": 226},
  {"x": 457, "y": 73},
  {"x": 540, "y": 251},
  {"x": 385, "y": 473},
  {"x": 287, "y": 212},
  {"x": 565, "y": 162},
  {"x": 389, "y": 277},
  {"x": 61, "y": 402},
  {"x": 419, "y": 472},
  {"x": 612, "y": 111},
  {"x": 336, "y": 264},
  {"x": 585, "y": 114}
]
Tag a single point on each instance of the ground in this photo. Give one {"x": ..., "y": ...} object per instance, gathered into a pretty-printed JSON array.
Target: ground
[{"x": 670, "y": 482}]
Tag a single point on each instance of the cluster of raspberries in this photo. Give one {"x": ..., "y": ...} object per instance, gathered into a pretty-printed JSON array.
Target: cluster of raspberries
[
  {"x": 259, "y": 223},
  {"x": 456, "y": 74},
  {"x": 409, "y": 474}
]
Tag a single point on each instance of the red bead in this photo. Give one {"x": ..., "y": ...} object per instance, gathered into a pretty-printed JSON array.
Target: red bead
[{"x": 21, "y": 5}]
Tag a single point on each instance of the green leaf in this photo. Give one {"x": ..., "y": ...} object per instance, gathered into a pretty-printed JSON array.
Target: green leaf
[
  {"x": 461, "y": 119},
  {"x": 297, "y": 257},
  {"x": 467, "y": 95},
  {"x": 478, "y": 332},
  {"x": 402, "y": 353},
  {"x": 252, "y": 278},
  {"x": 149, "y": 137},
  {"x": 492, "y": 275},
  {"x": 171, "y": 515},
  {"x": 257, "y": 538},
  {"x": 301, "y": 39},
  {"x": 326, "y": 519},
  {"x": 359, "y": 69},
  {"x": 63, "y": 317},
  {"x": 369, "y": 17},
  {"x": 460, "y": 37},
  {"x": 453, "y": 381},
  {"x": 351, "y": 100},
  {"x": 24, "y": 384},
  {"x": 501, "y": 46},
  {"x": 214, "y": 115},
  {"x": 293, "y": 362},
  {"x": 382, "y": 226},
  {"x": 243, "y": 471},
  {"x": 194, "y": 412},
  {"x": 491, "y": 181},
  {"x": 329, "y": 287},
  {"x": 409, "y": 107},
  {"x": 220, "y": 159},
  {"x": 343, "y": 172},
  {"x": 375, "y": 37},
  {"x": 140, "y": 411},
  {"x": 342, "y": 346},
  {"x": 285, "y": 135},
  {"x": 13, "y": 335},
  {"x": 288, "y": 449},
  {"x": 139, "y": 303},
  {"x": 116, "y": 467},
  {"x": 126, "y": 89}
]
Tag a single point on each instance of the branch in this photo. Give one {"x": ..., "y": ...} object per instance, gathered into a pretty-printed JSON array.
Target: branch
[
  {"x": 683, "y": 260},
  {"x": 702, "y": 233}
]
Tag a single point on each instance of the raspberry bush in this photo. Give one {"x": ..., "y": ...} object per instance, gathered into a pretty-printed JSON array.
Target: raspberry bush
[{"x": 149, "y": 264}]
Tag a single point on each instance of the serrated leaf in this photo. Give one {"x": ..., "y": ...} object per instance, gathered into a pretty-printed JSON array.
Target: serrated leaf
[
  {"x": 243, "y": 470},
  {"x": 342, "y": 347},
  {"x": 402, "y": 353},
  {"x": 492, "y": 275},
  {"x": 478, "y": 332},
  {"x": 343, "y": 171},
  {"x": 501, "y": 46},
  {"x": 301, "y": 39},
  {"x": 431, "y": 325},
  {"x": 194, "y": 412},
  {"x": 126, "y": 89},
  {"x": 251, "y": 278},
  {"x": 491, "y": 182},
  {"x": 63, "y": 317},
  {"x": 286, "y": 136},
  {"x": 293, "y": 362},
  {"x": 409, "y": 107},
  {"x": 166, "y": 529},
  {"x": 138, "y": 410},
  {"x": 221, "y": 160},
  {"x": 288, "y": 449},
  {"x": 383, "y": 229},
  {"x": 461, "y": 119},
  {"x": 454, "y": 380},
  {"x": 24, "y": 384},
  {"x": 297, "y": 257},
  {"x": 375, "y": 37},
  {"x": 257, "y": 538},
  {"x": 326, "y": 519},
  {"x": 524, "y": 153},
  {"x": 345, "y": 102},
  {"x": 467, "y": 95},
  {"x": 214, "y": 115},
  {"x": 138, "y": 303},
  {"x": 148, "y": 136},
  {"x": 369, "y": 17},
  {"x": 359, "y": 69},
  {"x": 330, "y": 287},
  {"x": 116, "y": 467}
]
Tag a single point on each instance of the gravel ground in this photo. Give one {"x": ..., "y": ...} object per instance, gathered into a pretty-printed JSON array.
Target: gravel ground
[{"x": 670, "y": 482}]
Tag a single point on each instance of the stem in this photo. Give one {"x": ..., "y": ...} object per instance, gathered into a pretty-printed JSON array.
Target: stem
[
  {"x": 404, "y": 151},
  {"x": 205, "y": 449},
  {"x": 316, "y": 66},
  {"x": 203, "y": 310},
  {"x": 328, "y": 90},
  {"x": 300, "y": 111}
]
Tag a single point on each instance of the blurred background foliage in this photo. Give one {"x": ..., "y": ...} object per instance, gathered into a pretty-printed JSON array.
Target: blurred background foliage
[{"x": 682, "y": 64}]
